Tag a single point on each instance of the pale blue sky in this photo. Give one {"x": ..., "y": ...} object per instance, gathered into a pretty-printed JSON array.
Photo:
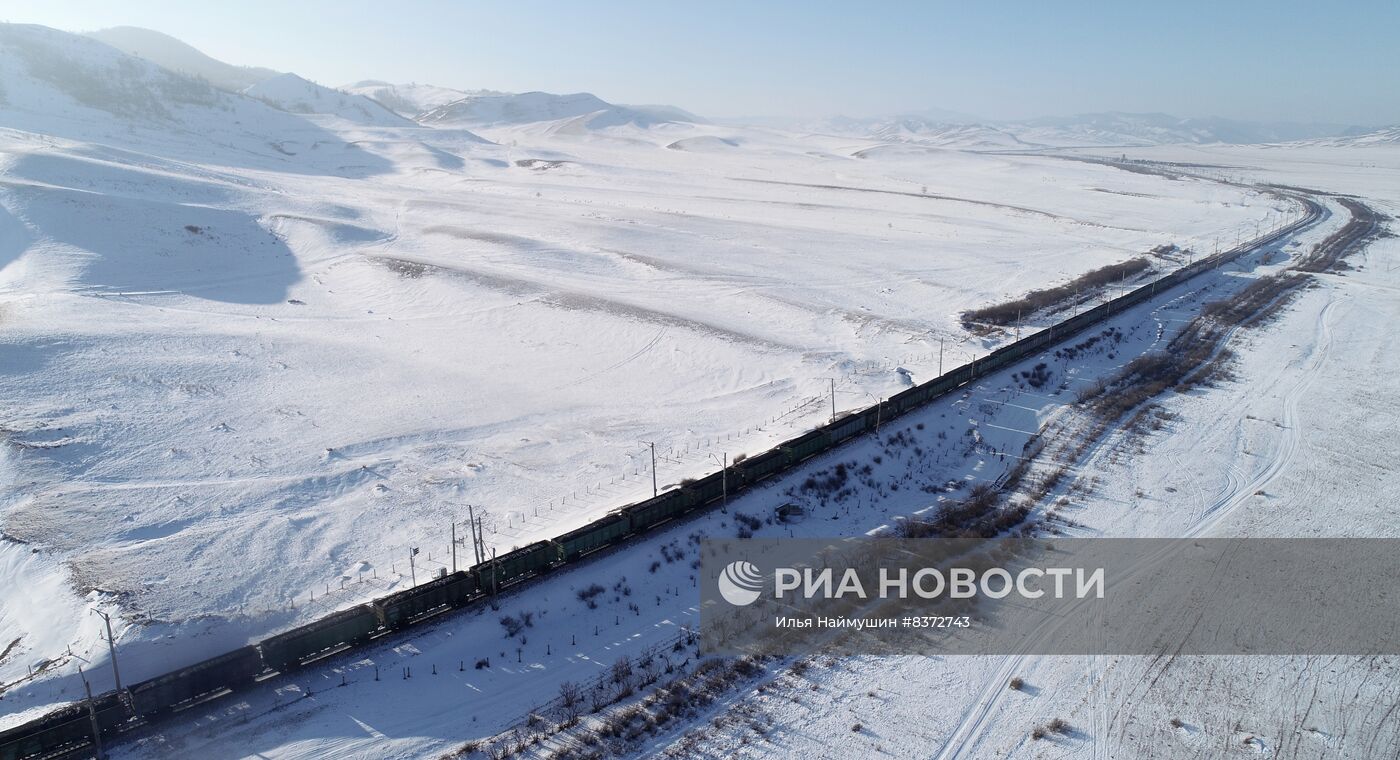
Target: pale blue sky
[{"x": 1305, "y": 61}]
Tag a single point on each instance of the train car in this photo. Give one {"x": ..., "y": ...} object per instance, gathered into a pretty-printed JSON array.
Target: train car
[
  {"x": 506, "y": 569},
  {"x": 904, "y": 401},
  {"x": 186, "y": 686},
  {"x": 655, "y": 511},
  {"x": 67, "y": 730},
  {"x": 1000, "y": 360},
  {"x": 758, "y": 467},
  {"x": 290, "y": 649},
  {"x": 941, "y": 385},
  {"x": 846, "y": 426},
  {"x": 410, "y": 605},
  {"x": 806, "y": 446},
  {"x": 594, "y": 536},
  {"x": 707, "y": 489}
]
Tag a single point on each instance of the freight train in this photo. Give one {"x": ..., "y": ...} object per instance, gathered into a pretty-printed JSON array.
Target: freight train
[{"x": 68, "y": 734}]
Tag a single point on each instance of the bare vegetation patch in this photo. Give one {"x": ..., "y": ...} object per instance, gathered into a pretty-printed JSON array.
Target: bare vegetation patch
[{"x": 1008, "y": 313}]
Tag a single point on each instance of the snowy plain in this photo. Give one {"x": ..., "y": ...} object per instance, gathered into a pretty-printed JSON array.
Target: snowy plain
[
  {"x": 917, "y": 701},
  {"x": 1300, "y": 442}
]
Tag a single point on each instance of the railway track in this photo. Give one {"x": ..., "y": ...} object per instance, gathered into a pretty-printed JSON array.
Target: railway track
[
  {"x": 963, "y": 741},
  {"x": 73, "y": 732}
]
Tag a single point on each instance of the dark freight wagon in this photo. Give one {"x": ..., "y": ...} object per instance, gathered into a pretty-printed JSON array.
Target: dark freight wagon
[
  {"x": 290, "y": 649},
  {"x": 402, "y": 608},
  {"x": 593, "y": 536},
  {"x": 658, "y": 510},
  {"x": 521, "y": 563},
  {"x": 845, "y": 426},
  {"x": 707, "y": 489},
  {"x": 69, "y": 729},
  {"x": 184, "y": 686},
  {"x": 758, "y": 467},
  {"x": 804, "y": 446}
]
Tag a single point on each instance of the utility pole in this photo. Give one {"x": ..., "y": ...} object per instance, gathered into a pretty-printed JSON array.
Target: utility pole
[
  {"x": 111, "y": 647},
  {"x": 833, "y": 398},
  {"x": 92, "y": 716},
  {"x": 454, "y": 544},
  {"x": 471, "y": 523},
  {"x": 654, "y": 490},
  {"x": 412, "y": 572},
  {"x": 940, "y": 356},
  {"x": 723, "y": 481},
  {"x": 879, "y": 411},
  {"x": 480, "y": 539},
  {"x": 493, "y": 571}
]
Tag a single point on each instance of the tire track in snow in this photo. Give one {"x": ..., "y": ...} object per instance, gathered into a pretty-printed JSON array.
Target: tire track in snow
[
  {"x": 655, "y": 339},
  {"x": 966, "y": 736},
  {"x": 1288, "y": 443}
]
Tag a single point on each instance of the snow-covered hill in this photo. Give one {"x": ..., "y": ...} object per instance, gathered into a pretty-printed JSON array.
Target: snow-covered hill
[
  {"x": 164, "y": 50},
  {"x": 410, "y": 99},
  {"x": 45, "y": 72},
  {"x": 965, "y": 136},
  {"x": 290, "y": 92},
  {"x": 71, "y": 86},
  {"x": 1384, "y": 136},
  {"x": 667, "y": 113},
  {"x": 531, "y": 107}
]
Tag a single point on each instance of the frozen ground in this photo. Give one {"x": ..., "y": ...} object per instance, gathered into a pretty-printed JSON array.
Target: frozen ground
[
  {"x": 1301, "y": 443},
  {"x": 649, "y": 595},
  {"x": 249, "y": 355}
]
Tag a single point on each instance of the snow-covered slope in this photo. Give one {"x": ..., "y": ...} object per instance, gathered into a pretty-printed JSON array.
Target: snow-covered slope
[
  {"x": 74, "y": 87},
  {"x": 410, "y": 99},
  {"x": 290, "y": 92},
  {"x": 966, "y": 136},
  {"x": 1379, "y": 137},
  {"x": 47, "y": 72},
  {"x": 164, "y": 50},
  {"x": 531, "y": 107},
  {"x": 666, "y": 113}
]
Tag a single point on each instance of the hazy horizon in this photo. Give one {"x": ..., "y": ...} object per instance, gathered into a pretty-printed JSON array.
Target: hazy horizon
[{"x": 1247, "y": 61}]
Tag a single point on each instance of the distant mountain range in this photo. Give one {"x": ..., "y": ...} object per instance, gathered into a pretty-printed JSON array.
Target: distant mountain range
[
  {"x": 529, "y": 107},
  {"x": 1096, "y": 130},
  {"x": 380, "y": 103}
]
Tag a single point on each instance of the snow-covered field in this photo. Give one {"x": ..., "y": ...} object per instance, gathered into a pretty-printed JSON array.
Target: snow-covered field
[
  {"x": 1302, "y": 442},
  {"x": 906, "y": 706},
  {"x": 250, "y": 354},
  {"x": 250, "y": 357}
]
